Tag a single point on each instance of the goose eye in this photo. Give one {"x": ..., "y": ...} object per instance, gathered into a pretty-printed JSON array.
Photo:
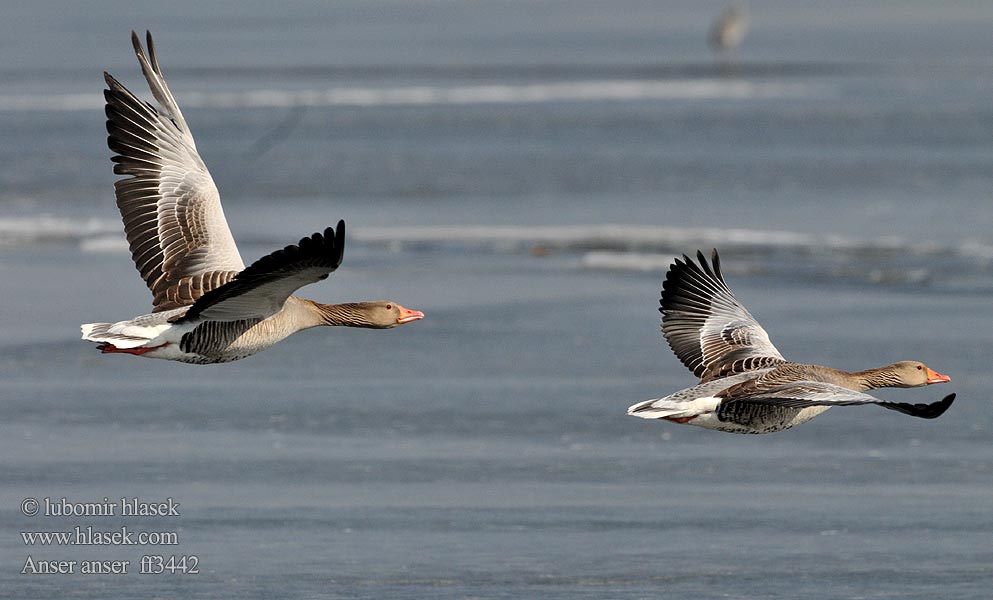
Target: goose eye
[
  {"x": 920, "y": 368},
  {"x": 389, "y": 307}
]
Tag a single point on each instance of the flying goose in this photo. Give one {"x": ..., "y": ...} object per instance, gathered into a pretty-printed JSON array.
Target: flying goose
[
  {"x": 207, "y": 307},
  {"x": 746, "y": 386}
]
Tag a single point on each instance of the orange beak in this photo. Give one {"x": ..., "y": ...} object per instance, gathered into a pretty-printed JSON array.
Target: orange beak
[
  {"x": 407, "y": 315},
  {"x": 935, "y": 377}
]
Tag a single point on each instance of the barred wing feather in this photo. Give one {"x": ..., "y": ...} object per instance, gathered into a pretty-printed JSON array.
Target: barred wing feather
[
  {"x": 179, "y": 238},
  {"x": 705, "y": 325}
]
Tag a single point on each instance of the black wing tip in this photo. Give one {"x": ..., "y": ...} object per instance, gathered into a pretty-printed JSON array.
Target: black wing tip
[
  {"x": 151, "y": 52},
  {"x": 700, "y": 262},
  {"x": 330, "y": 235},
  {"x": 701, "y": 258},
  {"x": 136, "y": 39},
  {"x": 923, "y": 411},
  {"x": 115, "y": 89},
  {"x": 715, "y": 260},
  {"x": 701, "y": 265},
  {"x": 339, "y": 240},
  {"x": 325, "y": 248},
  {"x": 329, "y": 243},
  {"x": 140, "y": 52},
  {"x": 674, "y": 279},
  {"x": 336, "y": 233},
  {"x": 680, "y": 268},
  {"x": 936, "y": 409}
]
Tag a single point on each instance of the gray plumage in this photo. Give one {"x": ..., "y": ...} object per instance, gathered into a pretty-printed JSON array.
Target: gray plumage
[
  {"x": 746, "y": 386},
  {"x": 707, "y": 328},
  {"x": 207, "y": 307},
  {"x": 173, "y": 220}
]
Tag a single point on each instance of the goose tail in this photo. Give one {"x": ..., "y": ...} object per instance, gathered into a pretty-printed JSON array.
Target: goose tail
[
  {"x": 664, "y": 408},
  {"x": 102, "y": 333}
]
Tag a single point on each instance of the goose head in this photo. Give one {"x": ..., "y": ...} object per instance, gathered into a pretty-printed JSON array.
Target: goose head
[
  {"x": 383, "y": 314},
  {"x": 911, "y": 373},
  {"x": 386, "y": 314}
]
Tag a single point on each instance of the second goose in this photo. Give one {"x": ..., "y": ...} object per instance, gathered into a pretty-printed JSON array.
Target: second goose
[{"x": 746, "y": 386}]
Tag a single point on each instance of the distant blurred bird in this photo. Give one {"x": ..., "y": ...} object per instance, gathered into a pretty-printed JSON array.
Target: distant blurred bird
[{"x": 728, "y": 29}]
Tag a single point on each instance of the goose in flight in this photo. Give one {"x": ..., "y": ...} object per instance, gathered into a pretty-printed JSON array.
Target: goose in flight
[
  {"x": 746, "y": 386},
  {"x": 207, "y": 306}
]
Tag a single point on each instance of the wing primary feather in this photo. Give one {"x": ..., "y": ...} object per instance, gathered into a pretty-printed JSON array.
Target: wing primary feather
[
  {"x": 284, "y": 271},
  {"x": 173, "y": 219},
  {"x": 710, "y": 332},
  {"x": 923, "y": 411}
]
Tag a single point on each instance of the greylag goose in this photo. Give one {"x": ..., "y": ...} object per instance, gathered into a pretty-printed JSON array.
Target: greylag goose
[
  {"x": 746, "y": 386},
  {"x": 207, "y": 307}
]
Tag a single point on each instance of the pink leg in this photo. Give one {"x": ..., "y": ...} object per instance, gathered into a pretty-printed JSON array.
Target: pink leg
[{"x": 108, "y": 348}]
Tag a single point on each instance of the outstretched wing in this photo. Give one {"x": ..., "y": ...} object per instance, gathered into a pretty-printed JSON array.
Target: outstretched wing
[
  {"x": 803, "y": 394},
  {"x": 260, "y": 290},
  {"x": 179, "y": 238},
  {"x": 924, "y": 411},
  {"x": 705, "y": 325}
]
